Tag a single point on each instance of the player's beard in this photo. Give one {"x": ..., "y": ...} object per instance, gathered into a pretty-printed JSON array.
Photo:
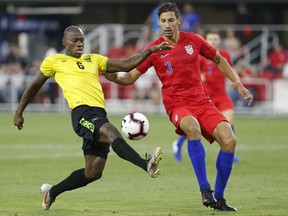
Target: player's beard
[{"x": 168, "y": 33}]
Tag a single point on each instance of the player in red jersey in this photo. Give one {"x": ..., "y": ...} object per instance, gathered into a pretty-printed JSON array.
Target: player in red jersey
[
  {"x": 186, "y": 102},
  {"x": 214, "y": 82}
]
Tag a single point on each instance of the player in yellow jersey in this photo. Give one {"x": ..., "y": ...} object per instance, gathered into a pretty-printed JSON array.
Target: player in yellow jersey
[{"x": 77, "y": 75}]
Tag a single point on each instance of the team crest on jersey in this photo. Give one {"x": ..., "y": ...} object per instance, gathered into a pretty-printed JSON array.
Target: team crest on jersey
[
  {"x": 189, "y": 49},
  {"x": 88, "y": 59}
]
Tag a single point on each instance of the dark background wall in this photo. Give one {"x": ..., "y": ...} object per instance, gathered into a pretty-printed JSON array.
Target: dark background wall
[{"x": 136, "y": 11}]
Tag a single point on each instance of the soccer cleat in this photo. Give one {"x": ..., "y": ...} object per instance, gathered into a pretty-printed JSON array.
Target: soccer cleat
[
  {"x": 222, "y": 205},
  {"x": 47, "y": 200},
  {"x": 176, "y": 151},
  {"x": 153, "y": 162},
  {"x": 208, "y": 198}
]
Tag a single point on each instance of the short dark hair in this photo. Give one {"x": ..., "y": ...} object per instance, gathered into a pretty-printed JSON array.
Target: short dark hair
[{"x": 169, "y": 6}]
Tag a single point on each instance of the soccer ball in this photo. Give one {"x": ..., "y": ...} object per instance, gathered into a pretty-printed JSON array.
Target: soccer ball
[{"x": 135, "y": 126}]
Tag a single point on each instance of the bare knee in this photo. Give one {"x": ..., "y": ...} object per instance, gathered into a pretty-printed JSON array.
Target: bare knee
[
  {"x": 93, "y": 176},
  {"x": 224, "y": 135},
  {"x": 193, "y": 132},
  {"x": 94, "y": 167},
  {"x": 229, "y": 143},
  {"x": 190, "y": 126}
]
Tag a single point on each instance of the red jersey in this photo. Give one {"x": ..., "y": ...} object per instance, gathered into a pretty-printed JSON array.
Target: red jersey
[
  {"x": 178, "y": 70},
  {"x": 215, "y": 80},
  {"x": 278, "y": 59}
]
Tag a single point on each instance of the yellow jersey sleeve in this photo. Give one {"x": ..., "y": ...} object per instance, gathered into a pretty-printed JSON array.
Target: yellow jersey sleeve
[
  {"x": 47, "y": 67},
  {"x": 101, "y": 62}
]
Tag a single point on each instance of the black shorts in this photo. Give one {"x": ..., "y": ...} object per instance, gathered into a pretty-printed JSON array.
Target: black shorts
[{"x": 86, "y": 123}]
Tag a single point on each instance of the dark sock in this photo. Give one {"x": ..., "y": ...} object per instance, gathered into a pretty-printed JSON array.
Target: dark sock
[
  {"x": 126, "y": 152},
  {"x": 76, "y": 180}
]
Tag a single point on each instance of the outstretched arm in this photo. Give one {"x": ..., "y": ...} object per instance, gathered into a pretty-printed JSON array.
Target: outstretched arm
[
  {"x": 28, "y": 95},
  {"x": 224, "y": 66},
  {"x": 123, "y": 78},
  {"x": 130, "y": 63}
]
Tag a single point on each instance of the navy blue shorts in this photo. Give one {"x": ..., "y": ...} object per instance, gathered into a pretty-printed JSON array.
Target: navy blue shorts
[{"x": 86, "y": 123}]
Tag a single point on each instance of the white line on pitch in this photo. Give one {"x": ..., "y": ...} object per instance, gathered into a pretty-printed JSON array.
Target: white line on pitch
[{"x": 76, "y": 152}]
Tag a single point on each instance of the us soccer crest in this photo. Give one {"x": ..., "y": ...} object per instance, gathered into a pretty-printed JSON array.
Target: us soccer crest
[{"x": 189, "y": 49}]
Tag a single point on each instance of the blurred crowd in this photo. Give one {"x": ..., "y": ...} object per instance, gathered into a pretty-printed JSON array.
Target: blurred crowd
[
  {"x": 15, "y": 67},
  {"x": 275, "y": 66}
]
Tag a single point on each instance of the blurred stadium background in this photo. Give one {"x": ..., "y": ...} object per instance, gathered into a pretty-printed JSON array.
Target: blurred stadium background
[{"x": 30, "y": 30}]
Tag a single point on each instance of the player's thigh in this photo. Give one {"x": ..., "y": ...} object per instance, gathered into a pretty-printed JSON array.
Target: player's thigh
[
  {"x": 108, "y": 133},
  {"x": 229, "y": 115},
  {"x": 224, "y": 135},
  {"x": 191, "y": 127},
  {"x": 87, "y": 121},
  {"x": 98, "y": 149}
]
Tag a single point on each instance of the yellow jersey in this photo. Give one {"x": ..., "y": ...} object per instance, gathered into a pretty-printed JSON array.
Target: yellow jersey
[{"x": 77, "y": 77}]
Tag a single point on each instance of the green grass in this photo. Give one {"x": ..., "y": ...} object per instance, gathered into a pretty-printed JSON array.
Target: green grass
[{"x": 47, "y": 150}]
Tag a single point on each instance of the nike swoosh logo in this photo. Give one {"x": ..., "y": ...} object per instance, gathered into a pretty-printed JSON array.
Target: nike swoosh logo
[
  {"x": 163, "y": 56},
  {"x": 151, "y": 166},
  {"x": 94, "y": 119}
]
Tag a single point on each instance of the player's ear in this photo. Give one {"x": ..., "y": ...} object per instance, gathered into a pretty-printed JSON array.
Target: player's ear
[
  {"x": 64, "y": 42},
  {"x": 179, "y": 20}
]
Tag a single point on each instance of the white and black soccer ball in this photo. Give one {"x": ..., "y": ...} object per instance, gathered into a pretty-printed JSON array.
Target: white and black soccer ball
[{"x": 135, "y": 126}]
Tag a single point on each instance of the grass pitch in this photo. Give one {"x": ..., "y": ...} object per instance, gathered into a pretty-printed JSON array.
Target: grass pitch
[{"x": 47, "y": 150}]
